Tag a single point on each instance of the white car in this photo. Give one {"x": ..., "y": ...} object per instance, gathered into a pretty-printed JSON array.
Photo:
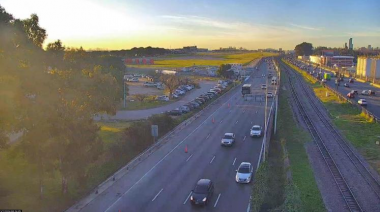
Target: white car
[
  {"x": 163, "y": 98},
  {"x": 180, "y": 92},
  {"x": 228, "y": 139},
  {"x": 362, "y": 102},
  {"x": 256, "y": 131},
  {"x": 134, "y": 79},
  {"x": 270, "y": 95},
  {"x": 244, "y": 173},
  {"x": 365, "y": 92},
  {"x": 263, "y": 86}
]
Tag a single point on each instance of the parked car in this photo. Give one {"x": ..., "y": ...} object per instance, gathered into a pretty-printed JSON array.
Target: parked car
[
  {"x": 150, "y": 84},
  {"x": 365, "y": 93},
  {"x": 190, "y": 106},
  {"x": 213, "y": 92},
  {"x": 228, "y": 139},
  {"x": 184, "y": 109},
  {"x": 134, "y": 79},
  {"x": 195, "y": 104},
  {"x": 175, "y": 95},
  {"x": 362, "y": 102},
  {"x": 198, "y": 101},
  {"x": 206, "y": 96},
  {"x": 202, "y": 192},
  {"x": 351, "y": 95},
  {"x": 175, "y": 112},
  {"x": 162, "y": 98},
  {"x": 203, "y": 100},
  {"x": 244, "y": 173},
  {"x": 256, "y": 131},
  {"x": 180, "y": 92}
]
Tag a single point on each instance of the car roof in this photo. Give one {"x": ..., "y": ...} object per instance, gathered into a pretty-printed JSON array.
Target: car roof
[
  {"x": 245, "y": 164},
  {"x": 231, "y": 134},
  {"x": 203, "y": 182},
  {"x": 256, "y": 126}
]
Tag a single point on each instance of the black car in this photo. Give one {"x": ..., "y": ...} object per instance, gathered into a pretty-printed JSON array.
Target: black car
[
  {"x": 203, "y": 100},
  {"x": 195, "y": 104},
  {"x": 202, "y": 192},
  {"x": 346, "y": 85},
  {"x": 190, "y": 106}
]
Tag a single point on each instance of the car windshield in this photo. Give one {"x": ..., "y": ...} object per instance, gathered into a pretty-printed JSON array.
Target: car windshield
[
  {"x": 255, "y": 128},
  {"x": 200, "y": 189},
  {"x": 243, "y": 169},
  {"x": 227, "y": 136}
]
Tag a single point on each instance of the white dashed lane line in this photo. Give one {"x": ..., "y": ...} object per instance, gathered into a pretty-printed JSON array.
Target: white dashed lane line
[
  {"x": 189, "y": 157},
  {"x": 244, "y": 138},
  {"x": 187, "y": 198},
  {"x": 217, "y": 200},
  {"x": 212, "y": 159},
  {"x": 234, "y": 162},
  {"x": 208, "y": 136},
  {"x": 157, "y": 194}
]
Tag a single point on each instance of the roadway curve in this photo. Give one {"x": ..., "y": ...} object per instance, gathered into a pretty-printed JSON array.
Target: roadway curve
[{"x": 163, "y": 181}]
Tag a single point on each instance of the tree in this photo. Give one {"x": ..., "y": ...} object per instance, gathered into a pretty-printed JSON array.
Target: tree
[
  {"x": 223, "y": 71},
  {"x": 34, "y": 31},
  {"x": 141, "y": 97},
  {"x": 171, "y": 82},
  {"x": 55, "y": 47},
  {"x": 304, "y": 49}
]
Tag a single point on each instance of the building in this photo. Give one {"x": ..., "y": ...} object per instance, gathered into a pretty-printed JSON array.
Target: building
[
  {"x": 350, "y": 44},
  {"x": 280, "y": 49},
  {"x": 315, "y": 59},
  {"x": 190, "y": 48},
  {"x": 339, "y": 61},
  {"x": 368, "y": 67},
  {"x": 369, "y": 47},
  {"x": 345, "y": 46}
]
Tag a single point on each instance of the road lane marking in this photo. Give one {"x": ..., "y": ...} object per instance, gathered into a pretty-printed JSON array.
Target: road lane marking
[
  {"x": 157, "y": 194},
  {"x": 208, "y": 136},
  {"x": 187, "y": 198},
  {"x": 221, "y": 121},
  {"x": 249, "y": 206},
  {"x": 251, "y": 122},
  {"x": 236, "y": 121},
  {"x": 189, "y": 157},
  {"x": 207, "y": 119},
  {"x": 212, "y": 159},
  {"x": 234, "y": 162},
  {"x": 244, "y": 137},
  {"x": 217, "y": 200}
]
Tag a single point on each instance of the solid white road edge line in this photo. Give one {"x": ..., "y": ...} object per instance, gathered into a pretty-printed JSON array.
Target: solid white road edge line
[
  {"x": 244, "y": 138},
  {"x": 189, "y": 157},
  {"x": 157, "y": 194},
  {"x": 170, "y": 152},
  {"x": 187, "y": 198},
  {"x": 212, "y": 159},
  {"x": 217, "y": 200},
  {"x": 234, "y": 162}
]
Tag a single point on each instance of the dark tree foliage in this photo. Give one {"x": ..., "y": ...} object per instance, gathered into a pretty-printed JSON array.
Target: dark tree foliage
[
  {"x": 304, "y": 49},
  {"x": 223, "y": 71}
]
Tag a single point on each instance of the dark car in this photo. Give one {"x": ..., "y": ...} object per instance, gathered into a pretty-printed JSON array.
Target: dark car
[
  {"x": 346, "y": 85},
  {"x": 351, "y": 95},
  {"x": 175, "y": 112},
  {"x": 202, "y": 192},
  {"x": 351, "y": 80},
  {"x": 205, "y": 96},
  {"x": 199, "y": 101},
  {"x": 203, "y": 100},
  {"x": 190, "y": 106},
  {"x": 371, "y": 92},
  {"x": 195, "y": 104}
]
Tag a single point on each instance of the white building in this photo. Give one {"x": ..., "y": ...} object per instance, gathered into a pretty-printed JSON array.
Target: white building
[
  {"x": 315, "y": 59},
  {"x": 368, "y": 67}
]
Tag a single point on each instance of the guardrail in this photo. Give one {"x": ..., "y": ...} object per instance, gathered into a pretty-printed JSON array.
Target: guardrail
[{"x": 344, "y": 98}]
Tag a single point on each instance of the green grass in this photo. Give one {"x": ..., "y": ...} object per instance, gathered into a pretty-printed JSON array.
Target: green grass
[
  {"x": 219, "y": 60},
  {"x": 301, "y": 170}
]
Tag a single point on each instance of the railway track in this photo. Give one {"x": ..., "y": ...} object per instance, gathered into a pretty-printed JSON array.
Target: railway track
[
  {"x": 360, "y": 166},
  {"x": 340, "y": 181}
]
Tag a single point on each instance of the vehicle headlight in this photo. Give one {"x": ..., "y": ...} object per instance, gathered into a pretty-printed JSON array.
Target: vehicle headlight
[{"x": 204, "y": 199}]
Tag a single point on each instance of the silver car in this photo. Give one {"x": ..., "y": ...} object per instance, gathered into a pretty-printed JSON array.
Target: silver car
[
  {"x": 256, "y": 131},
  {"x": 244, "y": 173},
  {"x": 228, "y": 139}
]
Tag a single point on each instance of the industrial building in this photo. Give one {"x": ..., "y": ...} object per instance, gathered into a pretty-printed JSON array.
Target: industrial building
[
  {"x": 368, "y": 67},
  {"x": 333, "y": 61}
]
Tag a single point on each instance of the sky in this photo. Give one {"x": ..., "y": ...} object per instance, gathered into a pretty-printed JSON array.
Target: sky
[{"x": 251, "y": 24}]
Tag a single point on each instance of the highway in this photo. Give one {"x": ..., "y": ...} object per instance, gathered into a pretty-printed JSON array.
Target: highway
[
  {"x": 163, "y": 181},
  {"x": 373, "y": 101}
]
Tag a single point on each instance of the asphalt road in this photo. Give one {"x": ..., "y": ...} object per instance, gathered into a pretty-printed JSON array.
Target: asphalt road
[
  {"x": 163, "y": 182},
  {"x": 373, "y": 101}
]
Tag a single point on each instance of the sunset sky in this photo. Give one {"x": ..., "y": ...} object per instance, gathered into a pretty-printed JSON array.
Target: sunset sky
[{"x": 123, "y": 24}]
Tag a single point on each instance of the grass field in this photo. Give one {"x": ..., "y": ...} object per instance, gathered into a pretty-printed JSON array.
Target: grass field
[{"x": 173, "y": 62}]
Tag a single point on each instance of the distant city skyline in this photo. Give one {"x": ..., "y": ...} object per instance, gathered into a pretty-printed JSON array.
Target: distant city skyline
[{"x": 124, "y": 24}]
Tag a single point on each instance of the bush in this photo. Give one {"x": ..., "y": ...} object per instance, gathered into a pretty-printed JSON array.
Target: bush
[{"x": 260, "y": 187}]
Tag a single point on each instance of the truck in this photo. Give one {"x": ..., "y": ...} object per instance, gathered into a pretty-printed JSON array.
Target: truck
[
  {"x": 327, "y": 76},
  {"x": 246, "y": 89}
]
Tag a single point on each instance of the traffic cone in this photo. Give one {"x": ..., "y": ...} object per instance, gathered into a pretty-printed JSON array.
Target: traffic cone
[{"x": 186, "y": 149}]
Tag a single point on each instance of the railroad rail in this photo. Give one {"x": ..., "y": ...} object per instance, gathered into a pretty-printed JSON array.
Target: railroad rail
[{"x": 344, "y": 189}]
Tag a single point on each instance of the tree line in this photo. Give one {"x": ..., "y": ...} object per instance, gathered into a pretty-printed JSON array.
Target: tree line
[{"x": 50, "y": 96}]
